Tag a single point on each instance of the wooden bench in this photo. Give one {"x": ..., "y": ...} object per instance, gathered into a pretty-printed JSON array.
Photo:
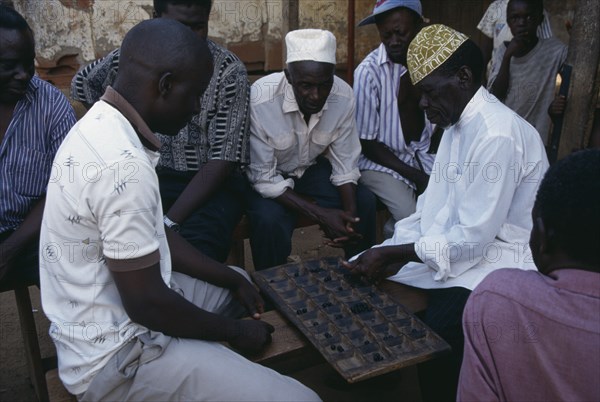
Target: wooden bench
[
  {"x": 35, "y": 363},
  {"x": 290, "y": 351}
]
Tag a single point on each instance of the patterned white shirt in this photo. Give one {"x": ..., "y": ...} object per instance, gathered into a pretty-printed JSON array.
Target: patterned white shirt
[
  {"x": 376, "y": 85},
  {"x": 282, "y": 145},
  {"x": 103, "y": 208}
]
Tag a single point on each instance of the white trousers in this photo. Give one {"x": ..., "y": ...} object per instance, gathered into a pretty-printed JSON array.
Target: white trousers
[
  {"x": 156, "y": 367},
  {"x": 396, "y": 195}
]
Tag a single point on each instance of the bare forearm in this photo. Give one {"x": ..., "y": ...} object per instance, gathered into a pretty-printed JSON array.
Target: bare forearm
[
  {"x": 348, "y": 195},
  {"x": 188, "y": 260},
  {"x": 292, "y": 200},
  {"x": 173, "y": 315},
  {"x": 379, "y": 153},
  {"x": 205, "y": 183},
  {"x": 403, "y": 253}
]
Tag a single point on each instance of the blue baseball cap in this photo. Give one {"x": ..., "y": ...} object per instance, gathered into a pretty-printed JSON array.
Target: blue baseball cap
[{"x": 381, "y": 6}]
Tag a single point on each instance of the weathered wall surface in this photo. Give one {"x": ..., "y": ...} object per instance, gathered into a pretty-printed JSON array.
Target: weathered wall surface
[{"x": 73, "y": 32}]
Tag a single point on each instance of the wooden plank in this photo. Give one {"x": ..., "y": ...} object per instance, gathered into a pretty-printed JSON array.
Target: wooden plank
[
  {"x": 286, "y": 339},
  {"x": 30, "y": 341},
  {"x": 56, "y": 389},
  {"x": 414, "y": 299},
  {"x": 290, "y": 350}
]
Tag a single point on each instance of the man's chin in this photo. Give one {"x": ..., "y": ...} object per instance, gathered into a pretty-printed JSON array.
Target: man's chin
[{"x": 397, "y": 58}]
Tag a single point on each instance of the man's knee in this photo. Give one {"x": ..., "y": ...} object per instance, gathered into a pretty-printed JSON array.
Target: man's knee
[{"x": 267, "y": 213}]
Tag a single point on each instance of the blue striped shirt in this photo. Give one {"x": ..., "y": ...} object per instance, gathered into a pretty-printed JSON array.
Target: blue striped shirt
[
  {"x": 376, "y": 84},
  {"x": 41, "y": 120}
]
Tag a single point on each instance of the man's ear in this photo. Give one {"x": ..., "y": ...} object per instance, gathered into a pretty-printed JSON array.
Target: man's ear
[
  {"x": 465, "y": 77},
  {"x": 287, "y": 75},
  {"x": 539, "y": 231},
  {"x": 165, "y": 84}
]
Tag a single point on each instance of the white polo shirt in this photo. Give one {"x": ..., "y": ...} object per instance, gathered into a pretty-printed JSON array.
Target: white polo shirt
[{"x": 103, "y": 208}]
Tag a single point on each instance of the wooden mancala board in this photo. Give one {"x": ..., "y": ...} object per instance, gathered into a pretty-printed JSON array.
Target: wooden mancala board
[{"x": 356, "y": 326}]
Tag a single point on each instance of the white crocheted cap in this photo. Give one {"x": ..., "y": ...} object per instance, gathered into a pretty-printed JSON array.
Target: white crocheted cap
[{"x": 310, "y": 44}]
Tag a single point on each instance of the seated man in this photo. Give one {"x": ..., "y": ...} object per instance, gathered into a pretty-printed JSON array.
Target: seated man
[
  {"x": 536, "y": 335},
  {"x": 473, "y": 217},
  {"x": 394, "y": 133},
  {"x": 34, "y": 119},
  {"x": 126, "y": 326},
  {"x": 304, "y": 151},
  {"x": 198, "y": 171},
  {"x": 526, "y": 80}
]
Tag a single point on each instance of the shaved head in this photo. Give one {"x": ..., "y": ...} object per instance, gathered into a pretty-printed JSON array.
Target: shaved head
[
  {"x": 163, "y": 67},
  {"x": 159, "y": 45}
]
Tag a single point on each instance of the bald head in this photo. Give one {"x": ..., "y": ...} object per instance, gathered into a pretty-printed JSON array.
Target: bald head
[{"x": 164, "y": 69}]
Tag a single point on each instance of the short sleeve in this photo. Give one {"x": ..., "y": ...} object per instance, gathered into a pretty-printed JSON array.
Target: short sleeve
[
  {"x": 367, "y": 97},
  {"x": 124, "y": 201},
  {"x": 489, "y": 19}
]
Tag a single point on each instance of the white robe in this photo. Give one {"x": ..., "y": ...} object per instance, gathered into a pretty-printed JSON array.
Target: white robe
[{"x": 475, "y": 216}]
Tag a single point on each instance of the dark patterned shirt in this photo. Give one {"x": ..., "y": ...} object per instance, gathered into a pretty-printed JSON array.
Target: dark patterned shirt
[
  {"x": 41, "y": 120},
  {"x": 220, "y": 131}
]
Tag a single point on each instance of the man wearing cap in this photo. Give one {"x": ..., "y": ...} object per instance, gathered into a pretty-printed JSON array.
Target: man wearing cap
[
  {"x": 395, "y": 134},
  {"x": 475, "y": 216},
  {"x": 304, "y": 150}
]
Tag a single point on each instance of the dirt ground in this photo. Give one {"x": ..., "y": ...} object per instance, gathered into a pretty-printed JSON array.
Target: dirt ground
[{"x": 14, "y": 380}]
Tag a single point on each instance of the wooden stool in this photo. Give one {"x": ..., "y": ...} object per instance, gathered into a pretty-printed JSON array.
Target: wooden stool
[{"x": 30, "y": 338}]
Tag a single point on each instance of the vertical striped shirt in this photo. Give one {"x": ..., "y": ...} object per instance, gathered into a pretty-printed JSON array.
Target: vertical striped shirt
[
  {"x": 41, "y": 120},
  {"x": 376, "y": 84},
  {"x": 219, "y": 132}
]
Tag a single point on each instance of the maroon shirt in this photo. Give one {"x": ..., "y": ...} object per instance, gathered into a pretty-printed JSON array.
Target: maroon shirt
[{"x": 532, "y": 337}]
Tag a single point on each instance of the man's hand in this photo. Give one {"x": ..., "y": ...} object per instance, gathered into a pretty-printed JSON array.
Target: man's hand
[
  {"x": 251, "y": 336},
  {"x": 373, "y": 264},
  {"x": 558, "y": 105},
  {"x": 249, "y": 297},
  {"x": 515, "y": 46},
  {"x": 338, "y": 227}
]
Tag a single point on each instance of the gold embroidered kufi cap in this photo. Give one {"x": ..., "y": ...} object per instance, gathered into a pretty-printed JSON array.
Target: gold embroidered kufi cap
[{"x": 431, "y": 48}]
